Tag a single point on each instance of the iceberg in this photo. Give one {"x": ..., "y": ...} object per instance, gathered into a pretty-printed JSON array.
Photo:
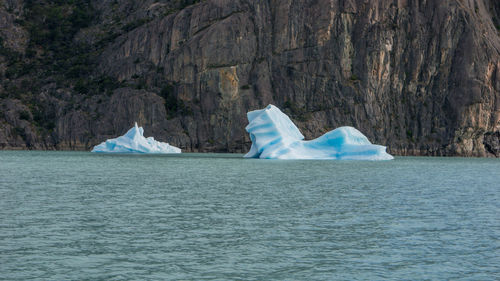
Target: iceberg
[
  {"x": 135, "y": 142},
  {"x": 275, "y": 136}
]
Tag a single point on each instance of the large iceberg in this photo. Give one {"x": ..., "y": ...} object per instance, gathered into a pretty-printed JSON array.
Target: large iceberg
[
  {"x": 274, "y": 136},
  {"x": 135, "y": 142}
]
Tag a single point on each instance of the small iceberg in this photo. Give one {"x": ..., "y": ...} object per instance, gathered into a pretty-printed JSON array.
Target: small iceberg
[
  {"x": 274, "y": 136},
  {"x": 135, "y": 142}
]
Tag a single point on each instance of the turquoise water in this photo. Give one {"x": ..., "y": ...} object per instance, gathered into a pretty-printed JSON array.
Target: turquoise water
[{"x": 82, "y": 216}]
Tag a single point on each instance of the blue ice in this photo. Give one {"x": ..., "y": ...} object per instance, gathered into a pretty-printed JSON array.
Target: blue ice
[
  {"x": 135, "y": 142},
  {"x": 274, "y": 136}
]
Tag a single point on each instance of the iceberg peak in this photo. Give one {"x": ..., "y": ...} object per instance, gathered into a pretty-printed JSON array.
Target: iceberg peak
[
  {"x": 275, "y": 136},
  {"x": 135, "y": 132},
  {"x": 133, "y": 141}
]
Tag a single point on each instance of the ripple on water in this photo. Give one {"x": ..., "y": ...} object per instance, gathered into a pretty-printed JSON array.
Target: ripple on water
[{"x": 73, "y": 215}]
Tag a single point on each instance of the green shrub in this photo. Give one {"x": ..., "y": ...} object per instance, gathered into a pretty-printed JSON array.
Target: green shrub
[
  {"x": 81, "y": 87},
  {"x": 52, "y": 25},
  {"x": 173, "y": 105},
  {"x": 43, "y": 118},
  {"x": 168, "y": 94},
  {"x": 409, "y": 134},
  {"x": 18, "y": 131},
  {"x": 297, "y": 112},
  {"x": 107, "y": 84},
  {"x": 24, "y": 115},
  {"x": 185, "y": 3},
  {"x": 134, "y": 24}
]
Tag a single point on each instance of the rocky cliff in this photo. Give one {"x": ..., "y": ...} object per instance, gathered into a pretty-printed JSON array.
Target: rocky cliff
[{"x": 422, "y": 77}]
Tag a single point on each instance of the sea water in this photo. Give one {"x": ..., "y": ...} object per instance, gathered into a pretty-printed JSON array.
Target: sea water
[{"x": 82, "y": 216}]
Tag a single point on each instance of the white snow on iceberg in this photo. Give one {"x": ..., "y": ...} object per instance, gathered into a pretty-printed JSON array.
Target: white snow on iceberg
[
  {"x": 135, "y": 142},
  {"x": 274, "y": 136}
]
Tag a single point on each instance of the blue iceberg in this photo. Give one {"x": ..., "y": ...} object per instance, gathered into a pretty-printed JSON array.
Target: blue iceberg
[
  {"x": 135, "y": 142},
  {"x": 274, "y": 136}
]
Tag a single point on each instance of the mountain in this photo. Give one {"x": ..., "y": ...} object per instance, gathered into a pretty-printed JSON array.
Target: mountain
[{"x": 422, "y": 77}]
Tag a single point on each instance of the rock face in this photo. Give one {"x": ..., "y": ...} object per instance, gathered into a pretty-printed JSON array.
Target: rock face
[{"x": 421, "y": 77}]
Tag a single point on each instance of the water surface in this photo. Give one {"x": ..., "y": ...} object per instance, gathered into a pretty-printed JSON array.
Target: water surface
[{"x": 83, "y": 216}]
